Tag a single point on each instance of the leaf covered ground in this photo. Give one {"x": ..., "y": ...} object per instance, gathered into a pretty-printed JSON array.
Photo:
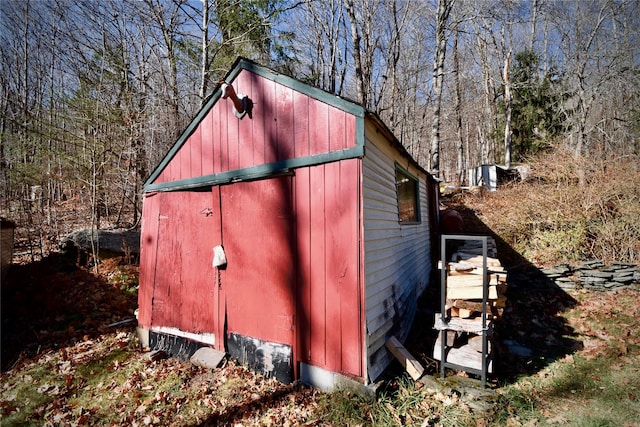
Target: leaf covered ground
[
  {"x": 69, "y": 360},
  {"x": 70, "y": 357}
]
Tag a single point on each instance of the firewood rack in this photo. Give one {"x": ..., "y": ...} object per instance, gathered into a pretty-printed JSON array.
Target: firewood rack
[{"x": 444, "y": 322}]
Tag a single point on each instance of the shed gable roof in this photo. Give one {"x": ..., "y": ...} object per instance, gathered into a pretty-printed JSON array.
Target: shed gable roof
[{"x": 352, "y": 119}]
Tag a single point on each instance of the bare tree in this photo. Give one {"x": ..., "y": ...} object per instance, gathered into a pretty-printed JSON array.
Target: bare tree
[
  {"x": 485, "y": 126},
  {"x": 92, "y": 94},
  {"x": 204, "y": 62},
  {"x": 360, "y": 70},
  {"x": 442, "y": 18},
  {"x": 596, "y": 49},
  {"x": 460, "y": 150},
  {"x": 506, "y": 80},
  {"x": 168, "y": 19}
]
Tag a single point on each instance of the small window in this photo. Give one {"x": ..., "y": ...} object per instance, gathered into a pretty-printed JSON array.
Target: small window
[{"x": 407, "y": 188}]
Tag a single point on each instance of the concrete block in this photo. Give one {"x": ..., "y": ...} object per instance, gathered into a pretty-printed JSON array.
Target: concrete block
[{"x": 207, "y": 357}]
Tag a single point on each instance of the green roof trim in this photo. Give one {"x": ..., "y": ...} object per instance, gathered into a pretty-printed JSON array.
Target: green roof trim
[
  {"x": 256, "y": 172},
  {"x": 245, "y": 64}
]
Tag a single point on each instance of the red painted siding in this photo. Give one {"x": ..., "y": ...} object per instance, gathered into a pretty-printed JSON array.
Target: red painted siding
[
  {"x": 343, "y": 259},
  {"x": 196, "y": 149},
  {"x": 329, "y": 279},
  {"x": 293, "y": 250},
  {"x": 207, "y": 137},
  {"x": 223, "y": 142},
  {"x": 338, "y": 136},
  {"x": 301, "y": 128},
  {"x": 305, "y": 261},
  {"x": 214, "y": 138},
  {"x": 232, "y": 139},
  {"x": 318, "y": 132},
  {"x": 245, "y": 129},
  {"x": 184, "y": 158},
  {"x": 148, "y": 255},
  {"x": 285, "y": 124},
  {"x": 259, "y": 120},
  {"x": 294, "y": 273},
  {"x": 267, "y": 108},
  {"x": 317, "y": 272}
]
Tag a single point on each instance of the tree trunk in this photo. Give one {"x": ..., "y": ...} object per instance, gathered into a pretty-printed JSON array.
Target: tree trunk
[
  {"x": 458, "y": 109},
  {"x": 508, "y": 104},
  {"x": 357, "y": 57},
  {"x": 534, "y": 19},
  {"x": 444, "y": 8},
  {"x": 204, "y": 60}
]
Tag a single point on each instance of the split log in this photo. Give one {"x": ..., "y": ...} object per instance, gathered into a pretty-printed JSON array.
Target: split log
[
  {"x": 477, "y": 305},
  {"x": 465, "y": 356},
  {"x": 476, "y": 260},
  {"x": 463, "y": 313},
  {"x": 469, "y": 280},
  {"x": 471, "y": 292}
]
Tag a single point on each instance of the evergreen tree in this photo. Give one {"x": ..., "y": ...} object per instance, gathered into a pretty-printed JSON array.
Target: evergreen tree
[
  {"x": 246, "y": 29},
  {"x": 536, "y": 112}
]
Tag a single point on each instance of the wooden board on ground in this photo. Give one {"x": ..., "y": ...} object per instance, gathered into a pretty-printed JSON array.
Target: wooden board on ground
[{"x": 411, "y": 365}]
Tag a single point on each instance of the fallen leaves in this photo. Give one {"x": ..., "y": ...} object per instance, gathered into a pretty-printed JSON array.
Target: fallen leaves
[
  {"x": 53, "y": 303},
  {"x": 52, "y": 390},
  {"x": 98, "y": 382},
  {"x": 86, "y": 374}
]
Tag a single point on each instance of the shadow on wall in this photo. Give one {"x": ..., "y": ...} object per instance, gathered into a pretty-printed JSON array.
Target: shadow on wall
[{"x": 531, "y": 332}]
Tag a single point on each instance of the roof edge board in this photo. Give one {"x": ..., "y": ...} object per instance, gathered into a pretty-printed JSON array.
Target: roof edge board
[
  {"x": 295, "y": 84},
  {"x": 184, "y": 136}
]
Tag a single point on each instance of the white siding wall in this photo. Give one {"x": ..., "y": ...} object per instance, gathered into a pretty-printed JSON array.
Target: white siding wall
[{"x": 397, "y": 257}]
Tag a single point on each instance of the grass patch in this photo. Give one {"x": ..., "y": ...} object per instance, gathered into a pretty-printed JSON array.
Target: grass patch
[
  {"x": 598, "y": 385},
  {"x": 27, "y": 394},
  {"x": 343, "y": 408}
]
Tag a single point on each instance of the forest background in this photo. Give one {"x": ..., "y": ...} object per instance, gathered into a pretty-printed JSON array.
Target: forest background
[{"x": 93, "y": 93}]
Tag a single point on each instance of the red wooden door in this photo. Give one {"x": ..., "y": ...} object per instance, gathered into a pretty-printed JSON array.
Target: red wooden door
[
  {"x": 258, "y": 284},
  {"x": 184, "y": 292}
]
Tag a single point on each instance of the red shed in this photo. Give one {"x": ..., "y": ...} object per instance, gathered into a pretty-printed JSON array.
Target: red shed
[{"x": 325, "y": 221}]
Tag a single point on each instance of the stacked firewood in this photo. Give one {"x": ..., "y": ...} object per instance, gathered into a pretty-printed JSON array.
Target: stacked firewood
[
  {"x": 465, "y": 281},
  {"x": 463, "y": 327}
]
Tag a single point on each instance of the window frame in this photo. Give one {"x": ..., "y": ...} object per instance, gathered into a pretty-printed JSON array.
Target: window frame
[{"x": 402, "y": 173}]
